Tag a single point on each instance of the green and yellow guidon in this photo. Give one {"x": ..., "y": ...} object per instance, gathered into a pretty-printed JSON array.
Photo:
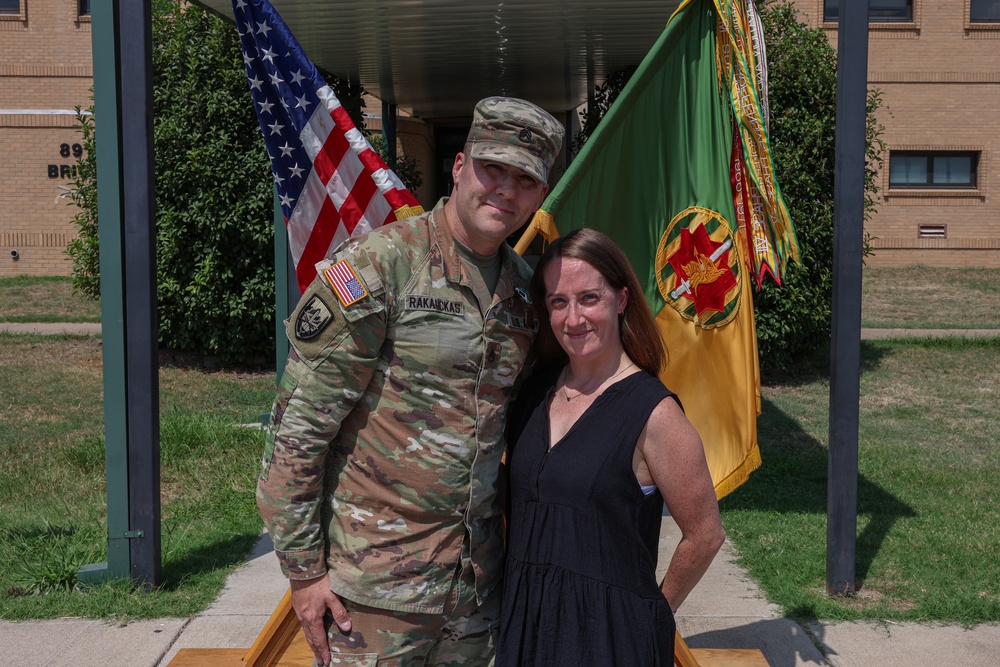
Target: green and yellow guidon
[{"x": 698, "y": 268}]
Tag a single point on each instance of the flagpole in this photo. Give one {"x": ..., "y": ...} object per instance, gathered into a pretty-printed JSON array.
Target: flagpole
[
  {"x": 526, "y": 238},
  {"x": 845, "y": 353}
]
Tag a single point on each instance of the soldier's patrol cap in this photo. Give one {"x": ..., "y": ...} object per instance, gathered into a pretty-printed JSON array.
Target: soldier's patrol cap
[{"x": 516, "y": 133}]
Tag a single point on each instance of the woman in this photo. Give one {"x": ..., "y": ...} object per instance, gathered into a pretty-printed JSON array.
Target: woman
[{"x": 595, "y": 440}]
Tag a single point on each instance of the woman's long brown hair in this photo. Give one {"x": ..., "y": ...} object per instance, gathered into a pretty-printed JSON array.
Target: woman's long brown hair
[{"x": 639, "y": 334}]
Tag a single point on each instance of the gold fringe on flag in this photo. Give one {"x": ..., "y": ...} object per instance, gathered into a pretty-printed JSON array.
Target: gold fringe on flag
[{"x": 404, "y": 212}]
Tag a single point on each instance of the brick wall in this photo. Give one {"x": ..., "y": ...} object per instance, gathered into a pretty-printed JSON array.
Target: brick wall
[
  {"x": 45, "y": 69},
  {"x": 939, "y": 77},
  {"x": 941, "y": 87}
]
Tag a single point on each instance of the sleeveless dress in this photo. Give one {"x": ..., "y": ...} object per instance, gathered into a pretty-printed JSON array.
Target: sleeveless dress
[{"x": 580, "y": 587}]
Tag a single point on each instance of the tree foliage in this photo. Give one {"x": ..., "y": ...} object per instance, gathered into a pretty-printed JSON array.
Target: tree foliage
[
  {"x": 214, "y": 194},
  {"x": 83, "y": 250}
]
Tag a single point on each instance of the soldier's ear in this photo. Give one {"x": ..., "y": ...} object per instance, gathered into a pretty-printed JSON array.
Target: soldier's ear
[{"x": 457, "y": 166}]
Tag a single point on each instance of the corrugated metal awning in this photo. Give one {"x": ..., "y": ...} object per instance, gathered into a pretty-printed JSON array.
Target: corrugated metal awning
[{"x": 438, "y": 57}]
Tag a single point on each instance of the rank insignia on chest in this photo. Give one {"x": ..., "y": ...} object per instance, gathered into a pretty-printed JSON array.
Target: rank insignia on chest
[
  {"x": 344, "y": 282},
  {"x": 312, "y": 319}
]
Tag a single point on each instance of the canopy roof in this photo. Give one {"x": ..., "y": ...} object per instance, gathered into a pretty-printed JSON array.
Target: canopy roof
[{"x": 438, "y": 57}]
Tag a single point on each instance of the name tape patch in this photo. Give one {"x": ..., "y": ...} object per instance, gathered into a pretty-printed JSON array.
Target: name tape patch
[
  {"x": 434, "y": 304},
  {"x": 528, "y": 323}
]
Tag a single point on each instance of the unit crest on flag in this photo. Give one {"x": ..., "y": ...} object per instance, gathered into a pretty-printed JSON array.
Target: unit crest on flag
[{"x": 698, "y": 268}]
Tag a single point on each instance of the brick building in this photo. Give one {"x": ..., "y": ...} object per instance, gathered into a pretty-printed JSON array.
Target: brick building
[
  {"x": 935, "y": 62},
  {"x": 45, "y": 71}
]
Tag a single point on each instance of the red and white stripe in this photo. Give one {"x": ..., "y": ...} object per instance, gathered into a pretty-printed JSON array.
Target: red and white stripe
[{"x": 349, "y": 190}]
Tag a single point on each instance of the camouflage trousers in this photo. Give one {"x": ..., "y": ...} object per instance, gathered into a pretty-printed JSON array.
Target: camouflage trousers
[{"x": 464, "y": 634}]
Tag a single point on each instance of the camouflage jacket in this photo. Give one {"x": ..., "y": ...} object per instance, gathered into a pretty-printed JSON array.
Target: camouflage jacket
[{"x": 384, "y": 447}]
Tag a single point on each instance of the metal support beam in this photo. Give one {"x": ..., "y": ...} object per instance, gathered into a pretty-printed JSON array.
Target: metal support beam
[
  {"x": 286, "y": 290},
  {"x": 123, "y": 103},
  {"x": 104, "y": 27},
  {"x": 389, "y": 131},
  {"x": 845, "y": 353},
  {"x": 141, "y": 339}
]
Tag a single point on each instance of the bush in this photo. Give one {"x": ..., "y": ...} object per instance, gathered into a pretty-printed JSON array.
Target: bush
[
  {"x": 214, "y": 193},
  {"x": 793, "y": 319},
  {"x": 83, "y": 250}
]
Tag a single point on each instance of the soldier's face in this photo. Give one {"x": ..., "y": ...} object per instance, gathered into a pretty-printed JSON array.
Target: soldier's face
[{"x": 491, "y": 200}]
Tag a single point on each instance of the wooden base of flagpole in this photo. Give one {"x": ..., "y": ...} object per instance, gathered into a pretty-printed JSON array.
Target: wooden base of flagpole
[{"x": 283, "y": 644}]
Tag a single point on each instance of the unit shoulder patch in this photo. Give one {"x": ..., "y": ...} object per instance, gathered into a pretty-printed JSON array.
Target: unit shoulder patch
[{"x": 312, "y": 318}]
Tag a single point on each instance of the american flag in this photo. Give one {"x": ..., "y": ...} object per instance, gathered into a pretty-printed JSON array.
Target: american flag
[
  {"x": 330, "y": 182},
  {"x": 345, "y": 283}
]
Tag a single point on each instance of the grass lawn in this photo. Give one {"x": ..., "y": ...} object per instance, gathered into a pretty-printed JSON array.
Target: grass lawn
[
  {"x": 24, "y": 299},
  {"x": 926, "y": 298},
  {"x": 929, "y": 485},
  {"x": 52, "y": 481},
  {"x": 928, "y": 488}
]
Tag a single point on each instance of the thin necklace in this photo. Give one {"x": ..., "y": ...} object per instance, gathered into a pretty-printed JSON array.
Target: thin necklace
[{"x": 570, "y": 398}]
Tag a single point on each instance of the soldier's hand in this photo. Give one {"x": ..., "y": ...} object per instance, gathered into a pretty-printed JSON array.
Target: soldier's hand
[{"x": 312, "y": 599}]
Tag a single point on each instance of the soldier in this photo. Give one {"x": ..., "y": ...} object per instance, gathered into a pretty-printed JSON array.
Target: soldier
[{"x": 379, "y": 476}]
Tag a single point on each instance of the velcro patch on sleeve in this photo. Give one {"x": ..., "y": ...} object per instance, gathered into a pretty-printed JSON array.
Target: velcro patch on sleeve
[
  {"x": 312, "y": 318},
  {"x": 344, "y": 282}
]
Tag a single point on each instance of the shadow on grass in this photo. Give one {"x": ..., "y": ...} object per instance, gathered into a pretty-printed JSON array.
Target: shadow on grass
[
  {"x": 793, "y": 480},
  {"x": 218, "y": 555},
  {"x": 817, "y": 367}
]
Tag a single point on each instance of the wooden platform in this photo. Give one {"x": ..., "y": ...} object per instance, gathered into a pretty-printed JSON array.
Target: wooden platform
[
  {"x": 233, "y": 657},
  {"x": 283, "y": 644}
]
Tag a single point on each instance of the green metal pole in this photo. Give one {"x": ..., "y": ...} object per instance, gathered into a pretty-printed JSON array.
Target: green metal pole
[
  {"x": 284, "y": 284},
  {"x": 139, "y": 242},
  {"x": 104, "y": 27}
]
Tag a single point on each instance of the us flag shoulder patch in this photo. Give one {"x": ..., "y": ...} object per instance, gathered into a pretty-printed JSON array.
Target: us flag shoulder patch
[{"x": 344, "y": 281}]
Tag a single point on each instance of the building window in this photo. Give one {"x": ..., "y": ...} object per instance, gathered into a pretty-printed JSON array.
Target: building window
[
  {"x": 878, "y": 10},
  {"x": 10, "y": 7},
  {"x": 984, "y": 11},
  {"x": 939, "y": 169},
  {"x": 84, "y": 7}
]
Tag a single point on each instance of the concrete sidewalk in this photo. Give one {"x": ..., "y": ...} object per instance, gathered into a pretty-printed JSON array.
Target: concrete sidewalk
[{"x": 726, "y": 610}]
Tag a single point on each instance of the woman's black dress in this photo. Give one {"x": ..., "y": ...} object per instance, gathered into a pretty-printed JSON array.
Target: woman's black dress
[{"x": 580, "y": 586}]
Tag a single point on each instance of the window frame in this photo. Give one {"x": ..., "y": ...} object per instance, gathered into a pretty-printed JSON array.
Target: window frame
[
  {"x": 994, "y": 22},
  {"x": 19, "y": 15},
  {"x": 974, "y": 177},
  {"x": 911, "y": 5}
]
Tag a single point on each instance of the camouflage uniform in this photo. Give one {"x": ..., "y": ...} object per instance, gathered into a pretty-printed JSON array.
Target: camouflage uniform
[{"x": 384, "y": 448}]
